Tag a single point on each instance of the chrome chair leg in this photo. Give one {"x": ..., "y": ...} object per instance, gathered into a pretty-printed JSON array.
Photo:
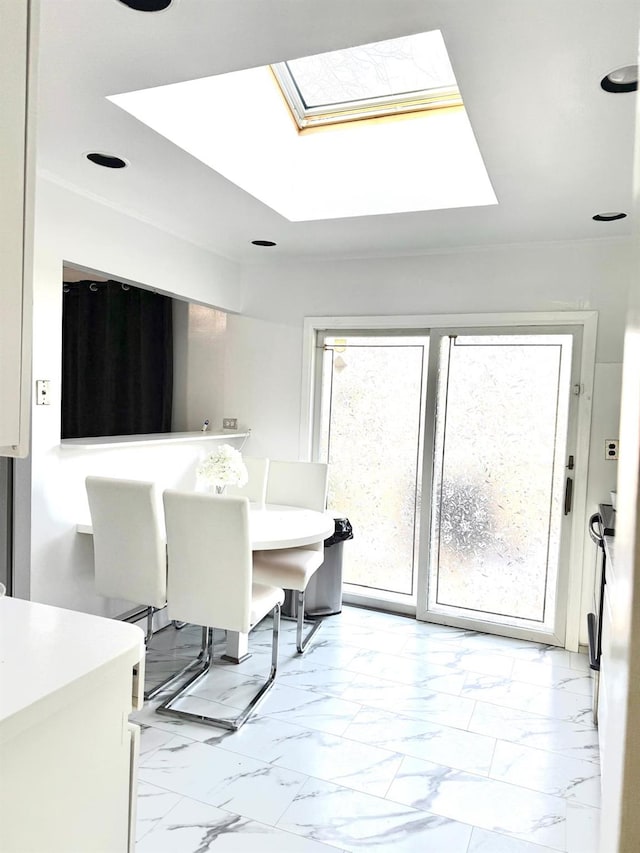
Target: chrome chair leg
[
  {"x": 149, "y": 634},
  {"x": 235, "y": 723},
  {"x": 135, "y": 615},
  {"x": 302, "y": 644},
  {"x": 204, "y": 647}
]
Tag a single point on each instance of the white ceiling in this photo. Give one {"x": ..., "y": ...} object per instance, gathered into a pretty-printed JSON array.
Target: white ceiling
[{"x": 557, "y": 148}]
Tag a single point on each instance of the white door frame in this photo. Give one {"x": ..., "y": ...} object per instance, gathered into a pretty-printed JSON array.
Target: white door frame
[{"x": 588, "y": 320}]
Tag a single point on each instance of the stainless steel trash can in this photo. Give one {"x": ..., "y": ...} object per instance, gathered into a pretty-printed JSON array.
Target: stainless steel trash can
[{"x": 323, "y": 596}]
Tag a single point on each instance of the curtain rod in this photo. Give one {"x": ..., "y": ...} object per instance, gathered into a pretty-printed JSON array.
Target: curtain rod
[{"x": 93, "y": 285}]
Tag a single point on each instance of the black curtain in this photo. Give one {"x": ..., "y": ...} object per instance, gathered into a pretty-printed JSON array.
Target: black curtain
[{"x": 117, "y": 360}]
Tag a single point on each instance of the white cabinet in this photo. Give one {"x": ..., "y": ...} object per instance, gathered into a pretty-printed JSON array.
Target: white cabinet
[
  {"x": 17, "y": 72},
  {"x": 68, "y": 682}
]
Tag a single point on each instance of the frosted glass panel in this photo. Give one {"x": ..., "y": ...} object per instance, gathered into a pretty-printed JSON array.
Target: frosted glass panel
[
  {"x": 501, "y": 428},
  {"x": 394, "y": 67},
  {"x": 371, "y": 435}
]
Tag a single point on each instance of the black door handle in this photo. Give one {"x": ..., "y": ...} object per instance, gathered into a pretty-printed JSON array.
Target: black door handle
[{"x": 568, "y": 494}]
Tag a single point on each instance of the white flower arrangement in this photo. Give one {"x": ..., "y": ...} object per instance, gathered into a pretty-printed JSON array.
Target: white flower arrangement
[{"x": 223, "y": 467}]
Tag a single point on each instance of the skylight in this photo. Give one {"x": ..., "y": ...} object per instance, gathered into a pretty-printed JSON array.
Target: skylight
[
  {"x": 382, "y": 78},
  {"x": 427, "y": 160}
]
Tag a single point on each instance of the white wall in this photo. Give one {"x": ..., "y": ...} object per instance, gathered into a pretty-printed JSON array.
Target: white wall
[
  {"x": 590, "y": 275},
  {"x": 263, "y": 370},
  {"x": 199, "y": 335},
  {"x": 620, "y": 676},
  {"x": 55, "y": 565},
  {"x": 551, "y": 277}
]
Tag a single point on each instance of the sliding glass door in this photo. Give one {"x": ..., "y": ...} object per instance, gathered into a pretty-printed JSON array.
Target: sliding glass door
[
  {"x": 501, "y": 484},
  {"x": 451, "y": 453},
  {"x": 370, "y": 429}
]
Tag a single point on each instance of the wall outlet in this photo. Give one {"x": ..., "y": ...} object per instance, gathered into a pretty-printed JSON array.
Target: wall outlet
[
  {"x": 42, "y": 392},
  {"x": 229, "y": 423},
  {"x": 611, "y": 448}
]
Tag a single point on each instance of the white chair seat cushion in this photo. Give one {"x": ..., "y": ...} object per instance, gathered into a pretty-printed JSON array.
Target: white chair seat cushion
[
  {"x": 290, "y": 568},
  {"x": 263, "y": 599}
]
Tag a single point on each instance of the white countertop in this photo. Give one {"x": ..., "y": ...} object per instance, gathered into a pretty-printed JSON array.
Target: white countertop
[{"x": 45, "y": 654}]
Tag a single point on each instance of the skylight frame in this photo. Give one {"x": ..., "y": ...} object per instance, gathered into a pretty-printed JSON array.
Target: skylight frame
[{"x": 401, "y": 103}]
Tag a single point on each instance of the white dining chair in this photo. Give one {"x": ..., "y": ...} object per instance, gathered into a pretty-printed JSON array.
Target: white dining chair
[
  {"x": 255, "y": 488},
  {"x": 300, "y": 484},
  {"x": 129, "y": 548},
  {"x": 210, "y": 583},
  {"x": 128, "y": 543}
]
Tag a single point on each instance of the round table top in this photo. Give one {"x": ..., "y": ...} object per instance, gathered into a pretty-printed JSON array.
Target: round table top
[{"x": 276, "y": 526}]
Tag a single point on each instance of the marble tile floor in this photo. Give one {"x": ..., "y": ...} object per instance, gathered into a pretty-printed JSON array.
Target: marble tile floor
[{"x": 387, "y": 735}]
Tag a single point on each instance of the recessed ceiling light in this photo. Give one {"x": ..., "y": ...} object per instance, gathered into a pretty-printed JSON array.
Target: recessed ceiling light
[
  {"x": 263, "y": 243},
  {"x": 608, "y": 217},
  {"x": 623, "y": 79},
  {"x": 147, "y": 5},
  {"x": 109, "y": 161}
]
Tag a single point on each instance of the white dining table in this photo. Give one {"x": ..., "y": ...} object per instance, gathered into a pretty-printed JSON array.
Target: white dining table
[
  {"x": 271, "y": 526},
  {"x": 274, "y": 526}
]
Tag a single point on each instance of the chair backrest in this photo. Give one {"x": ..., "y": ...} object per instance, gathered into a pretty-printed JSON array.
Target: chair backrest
[
  {"x": 209, "y": 561},
  {"x": 128, "y": 542},
  {"x": 302, "y": 484},
  {"x": 255, "y": 488}
]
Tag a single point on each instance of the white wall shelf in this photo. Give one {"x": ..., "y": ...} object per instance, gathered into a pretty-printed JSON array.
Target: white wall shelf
[{"x": 104, "y": 441}]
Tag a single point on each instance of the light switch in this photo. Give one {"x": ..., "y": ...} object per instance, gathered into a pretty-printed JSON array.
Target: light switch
[{"x": 42, "y": 392}]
